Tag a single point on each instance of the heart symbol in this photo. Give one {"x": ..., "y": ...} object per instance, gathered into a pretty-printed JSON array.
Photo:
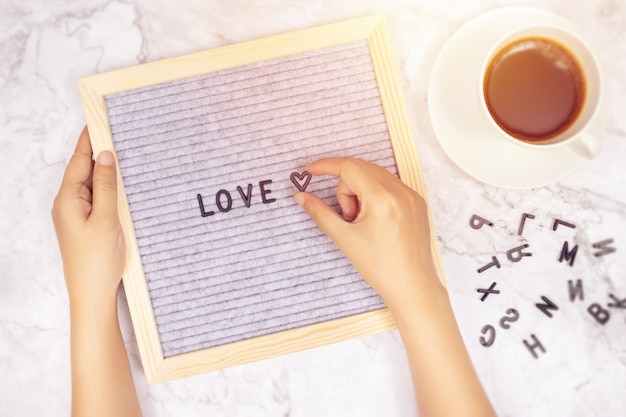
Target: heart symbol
[{"x": 301, "y": 181}]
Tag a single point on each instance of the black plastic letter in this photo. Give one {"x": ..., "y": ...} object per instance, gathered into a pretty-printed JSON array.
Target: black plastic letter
[
  {"x": 516, "y": 254},
  {"x": 557, "y": 222},
  {"x": 617, "y": 303},
  {"x": 604, "y": 247},
  {"x": 487, "y": 291},
  {"x": 264, "y": 192},
  {"x": 488, "y": 328},
  {"x": 204, "y": 213},
  {"x": 245, "y": 197},
  {"x": 536, "y": 345},
  {"x": 525, "y": 216},
  {"x": 600, "y": 314},
  {"x": 568, "y": 255},
  {"x": 218, "y": 201},
  {"x": 512, "y": 316},
  {"x": 494, "y": 262},
  {"x": 575, "y": 290},
  {"x": 545, "y": 308},
  {"x": 476, "y": 222}
]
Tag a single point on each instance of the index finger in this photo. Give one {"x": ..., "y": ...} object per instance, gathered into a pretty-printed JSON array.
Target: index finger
[
  {"x": 356, "y": 174},
  {"x": 79, "y": 167}
]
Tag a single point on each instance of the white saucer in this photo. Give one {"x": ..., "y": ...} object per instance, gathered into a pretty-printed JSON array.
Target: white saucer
[{"x": 463, "y": 130}]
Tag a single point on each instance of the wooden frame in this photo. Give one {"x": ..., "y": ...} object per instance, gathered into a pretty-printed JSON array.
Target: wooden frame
[{"x": 93, "y": 90}]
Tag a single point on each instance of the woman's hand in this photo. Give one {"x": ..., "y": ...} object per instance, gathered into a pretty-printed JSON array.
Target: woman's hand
[
  {"x": 385, "y": 233},
  {"x": 385, "y": 229},
  {"x": 87, "y": 226},
  {"x": 93, "y": 251}
]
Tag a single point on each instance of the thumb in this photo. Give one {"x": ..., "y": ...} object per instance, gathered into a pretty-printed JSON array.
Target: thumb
[
  {"x": 104, "y": 187},
  {"x": 325, "y": 217}
]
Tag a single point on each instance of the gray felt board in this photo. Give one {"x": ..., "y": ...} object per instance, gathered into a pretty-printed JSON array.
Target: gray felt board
[{"x": 258, "y": 264}]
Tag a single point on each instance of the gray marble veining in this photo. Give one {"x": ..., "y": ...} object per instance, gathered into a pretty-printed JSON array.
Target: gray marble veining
[{"x": 47, "y": 45}]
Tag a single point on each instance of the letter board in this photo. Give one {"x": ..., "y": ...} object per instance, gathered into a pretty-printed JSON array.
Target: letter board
[{"x": 223, "y": 266}]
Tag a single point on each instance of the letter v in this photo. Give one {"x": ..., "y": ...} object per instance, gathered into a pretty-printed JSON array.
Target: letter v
[{"x": 245, "y": 197}]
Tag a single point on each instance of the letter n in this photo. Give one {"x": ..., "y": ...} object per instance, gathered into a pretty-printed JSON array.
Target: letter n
[{"x": 545, "y": 308}]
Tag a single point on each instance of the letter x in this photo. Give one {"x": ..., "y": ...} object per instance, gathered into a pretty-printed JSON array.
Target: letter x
[{"x": 487, "y": 291}]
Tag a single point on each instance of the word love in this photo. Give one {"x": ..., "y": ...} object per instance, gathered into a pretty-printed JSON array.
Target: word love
[
  {"x": 224, "y": 198},
  {"x": 520, "y": 252}
]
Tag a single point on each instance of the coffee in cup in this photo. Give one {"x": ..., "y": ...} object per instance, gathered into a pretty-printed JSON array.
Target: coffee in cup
[
  {"x": 534, "y": 88},
  {"x": 541, "y": 88}
]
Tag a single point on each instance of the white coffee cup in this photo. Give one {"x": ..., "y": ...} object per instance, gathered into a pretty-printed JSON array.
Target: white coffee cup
[{"x": 578, "y": 136}]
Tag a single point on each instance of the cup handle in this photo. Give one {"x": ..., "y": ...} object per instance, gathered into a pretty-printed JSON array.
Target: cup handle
[{"x": 586, "y": 145}]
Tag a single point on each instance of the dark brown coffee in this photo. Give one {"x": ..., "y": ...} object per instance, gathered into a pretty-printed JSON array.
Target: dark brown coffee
[{"x": 534, "y": 89}]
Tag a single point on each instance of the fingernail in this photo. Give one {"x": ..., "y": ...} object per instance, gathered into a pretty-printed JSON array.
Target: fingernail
[
  {"x": 105, "y": 158},
  {"x": 299, "y": 197}
]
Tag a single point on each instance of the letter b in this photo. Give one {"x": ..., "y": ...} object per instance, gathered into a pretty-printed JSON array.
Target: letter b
[{"x": 600, "y": 314}]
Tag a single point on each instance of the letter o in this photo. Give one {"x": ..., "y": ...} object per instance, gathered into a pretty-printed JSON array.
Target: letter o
[{"x": 218, "y": 201}]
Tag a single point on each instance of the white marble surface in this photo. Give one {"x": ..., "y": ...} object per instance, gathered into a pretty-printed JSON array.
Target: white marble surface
[{"x": 46, "y": 45}]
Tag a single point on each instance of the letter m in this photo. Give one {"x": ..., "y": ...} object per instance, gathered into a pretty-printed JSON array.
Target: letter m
[{"x": 568, "y": 255}]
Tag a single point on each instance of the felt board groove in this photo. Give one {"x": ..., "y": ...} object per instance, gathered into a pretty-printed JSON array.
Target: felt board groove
[
  {"x": 174, "y": 180},
  {"x": 225, "y": 251},
  {"x": 141, "y": 116},
  {"x": 198, "y": 277},
  {"x": 289, "y": 146},
  {"x": 130, "y": 121},
  {"x": 365, "y": 129},
  {"x": 167, "y": 305},
  {"x": 213, "y": 283},
  {"x": 260, "y": 332},
  {"x": 324, "y": 125},
  {"x": 261, "y": 71},
  {"x": 247, "y": 124},
  {"x": 179, "y": 320},
  {"x": 229, "y": 326}
]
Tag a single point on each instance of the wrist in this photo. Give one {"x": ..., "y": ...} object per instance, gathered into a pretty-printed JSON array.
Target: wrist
[
  {"x": 92, "y": 309},
  {"x": 421, "y": 299}
]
